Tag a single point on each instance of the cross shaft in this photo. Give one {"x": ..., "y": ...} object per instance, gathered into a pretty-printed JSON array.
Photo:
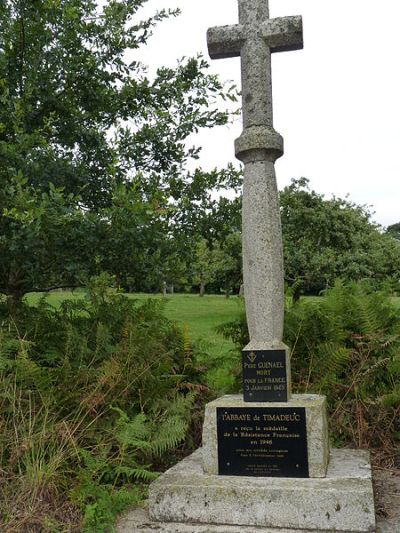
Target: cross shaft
[{"x": 254, "y": 39}]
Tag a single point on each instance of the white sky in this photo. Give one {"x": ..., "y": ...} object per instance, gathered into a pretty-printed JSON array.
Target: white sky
[{"x": 336, "y": 103}]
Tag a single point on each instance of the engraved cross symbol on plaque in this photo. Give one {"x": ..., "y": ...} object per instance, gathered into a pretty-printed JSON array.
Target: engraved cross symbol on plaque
[{"x": 254, "y": 39}]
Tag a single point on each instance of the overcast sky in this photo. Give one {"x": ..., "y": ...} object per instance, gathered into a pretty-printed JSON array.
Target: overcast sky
[{"x": 336, "y": 103}]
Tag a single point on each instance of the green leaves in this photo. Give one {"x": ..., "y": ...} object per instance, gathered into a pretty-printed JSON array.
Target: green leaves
[
  {"x": 70, "y": 70},
  {"x": 345, "y": 345},
  {"x": 325, "y": 240},
  {"x": 89, "y": 136},
  {"x": 43, "y": 238},
  {"x": 95, "y": 397}
]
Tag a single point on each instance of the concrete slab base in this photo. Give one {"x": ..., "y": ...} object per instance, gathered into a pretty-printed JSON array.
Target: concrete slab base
[
  {"x": 343, "y": 501},
  {"x": 139, "y": 521},
  {"x": 387, "y": 502}
]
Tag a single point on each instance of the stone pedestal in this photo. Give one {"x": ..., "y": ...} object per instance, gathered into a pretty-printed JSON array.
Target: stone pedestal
[
  {"x": 342, "y": 501},
  {"x": 335, "y": 495}
]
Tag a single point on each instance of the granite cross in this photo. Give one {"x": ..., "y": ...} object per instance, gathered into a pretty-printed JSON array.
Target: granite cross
[{"x": 254, "y": 39}]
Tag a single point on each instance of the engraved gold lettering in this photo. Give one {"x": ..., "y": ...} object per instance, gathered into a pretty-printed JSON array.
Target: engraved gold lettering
[
  {"x": 263, "y": 372},
  {"x": 236, "y": 417},
  {"x": 270, "y": 364}
]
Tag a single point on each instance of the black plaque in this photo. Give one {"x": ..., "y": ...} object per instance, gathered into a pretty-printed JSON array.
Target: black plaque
[
  {"x": 264, "y": 376},
  {"x": 263, "y": 442}
]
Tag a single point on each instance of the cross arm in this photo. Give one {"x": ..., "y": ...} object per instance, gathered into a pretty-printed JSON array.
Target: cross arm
[
  {"x": 225, "y": 41},
  {"x": 284, "y": 34}
]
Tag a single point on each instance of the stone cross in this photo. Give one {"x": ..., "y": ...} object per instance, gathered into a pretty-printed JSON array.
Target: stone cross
[{"x": 254, "y": 39}]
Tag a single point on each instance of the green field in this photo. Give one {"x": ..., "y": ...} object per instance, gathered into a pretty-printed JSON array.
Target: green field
[
  {"x": 199, "y": 315},
  {"x": 396, "y": 301}
]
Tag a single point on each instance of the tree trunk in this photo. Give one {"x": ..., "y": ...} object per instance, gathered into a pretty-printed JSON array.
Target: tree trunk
[
  {"x": 172, "y": 289},
  {"x": 296, "y": 291},
  {"x": 14, "y": 300},
  {"x": 202, "y": 288},
  {"x": 241, "y": 290}
]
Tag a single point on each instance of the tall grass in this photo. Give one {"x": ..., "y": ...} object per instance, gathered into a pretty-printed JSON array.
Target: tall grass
[{"x": 95, "y": 396}]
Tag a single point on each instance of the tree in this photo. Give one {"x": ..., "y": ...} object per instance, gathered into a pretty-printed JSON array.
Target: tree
[
  {"x": 131, "y": 239},
  {"x": 223, "y": 216},
  {"x": 329, "y": 239},
  {"x": 394, "y": 231},
  {"x": 77, "y": 119},
  {"x": 44, "y": 241},
  {"x": 323, "y": 240},
  {"x": 229, "y": 265},
  {"x": 204, "y": 265}
]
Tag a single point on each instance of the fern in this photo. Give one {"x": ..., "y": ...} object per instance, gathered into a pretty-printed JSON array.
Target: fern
[
  {"x": 136, "y": 474},
  {"x": 331, "y": 360},
  {"x": 132, "y": 432},
  {"x": 392, "y": 399},
  {"x": 30, "y": 374},
  {"x": 170, "y": 433},
  {"x": 346, "y": 345},
  {"x": 186, "y": 343},
  {"x": 171, "y": 425},
  {"x": 364, "y": 309},
  {"x": 94, "y": 396}
]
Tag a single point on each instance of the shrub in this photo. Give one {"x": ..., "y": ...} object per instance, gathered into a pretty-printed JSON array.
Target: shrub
[
  {"x": 94, "y": 395},
  {"x": 346, "y": 345}
]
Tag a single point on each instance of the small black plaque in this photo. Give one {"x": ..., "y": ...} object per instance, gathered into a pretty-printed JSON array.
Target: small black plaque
[
  {"x": 264, "y": 376},
  {"x": 263, "y": 442}
]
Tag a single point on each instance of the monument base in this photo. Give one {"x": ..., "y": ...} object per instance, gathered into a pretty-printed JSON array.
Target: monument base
[
  {"x": 342, "y": 501},
  {"x": 138, "y": 520}
]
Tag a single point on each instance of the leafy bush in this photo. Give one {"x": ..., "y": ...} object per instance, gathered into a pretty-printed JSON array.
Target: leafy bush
[
  {"x": 94, "y": 395},
  {"x": 346, "y": 345}
]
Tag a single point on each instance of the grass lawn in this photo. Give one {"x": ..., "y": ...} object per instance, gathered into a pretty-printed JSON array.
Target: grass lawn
[
  {"x": 200, "y": 315},
  {"x": 396, "y": 301}
]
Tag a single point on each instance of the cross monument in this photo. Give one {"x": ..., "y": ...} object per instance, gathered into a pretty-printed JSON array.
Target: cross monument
[
  {"x": 281, "y": 440},
  {"x": 254, "y": 39}
]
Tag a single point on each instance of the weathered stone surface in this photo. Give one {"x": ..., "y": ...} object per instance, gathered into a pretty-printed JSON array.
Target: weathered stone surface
[
  {"x": 343, "y": 501},
  {"x": 225, "y": 41},
  {"x": 387, "y": 501},
  {"x": 283, "y": 34},
  {"x": 254, "y": 39},
  {"x": 139, "y": 521},
  {"x": 262, "y": 254},
  {"x": 317, "y": 429},
  {"x": 259, "y": 143}
]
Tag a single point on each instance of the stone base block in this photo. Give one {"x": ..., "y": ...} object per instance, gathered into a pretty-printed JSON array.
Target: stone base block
[
  {"x": 317, "y": 429},
  {"x": 342, "y": 501},
  {"x": 139, "y": 521}
]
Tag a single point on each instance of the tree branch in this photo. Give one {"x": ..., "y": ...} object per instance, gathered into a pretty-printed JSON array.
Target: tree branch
[{"x": 55, "y": 287}]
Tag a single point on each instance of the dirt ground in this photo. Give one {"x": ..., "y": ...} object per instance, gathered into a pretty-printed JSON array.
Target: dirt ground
[{"x": 387, "y": 500}]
